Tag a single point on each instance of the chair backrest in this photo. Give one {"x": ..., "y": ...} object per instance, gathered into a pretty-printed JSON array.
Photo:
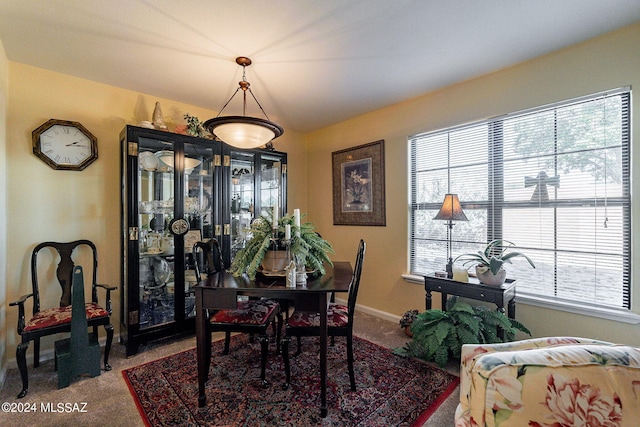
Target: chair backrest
[
  {"x": 211, "y": 261},
  {"x": 355, "y": 280},
  {"x": 64, "y": 270}
]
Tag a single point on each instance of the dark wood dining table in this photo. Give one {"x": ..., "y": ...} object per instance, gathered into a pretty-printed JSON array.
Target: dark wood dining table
[{"x": 221, "y": 291}]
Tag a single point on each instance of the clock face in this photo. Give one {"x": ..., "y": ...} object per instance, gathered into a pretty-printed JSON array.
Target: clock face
[{"x": 65, "y": 145}]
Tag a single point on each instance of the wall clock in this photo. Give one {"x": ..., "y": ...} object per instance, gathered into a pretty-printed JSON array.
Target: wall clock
[{"x": 64, "y": 145}]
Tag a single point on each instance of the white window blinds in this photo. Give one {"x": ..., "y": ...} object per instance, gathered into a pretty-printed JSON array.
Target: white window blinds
[{"x": 554, "y": 180}]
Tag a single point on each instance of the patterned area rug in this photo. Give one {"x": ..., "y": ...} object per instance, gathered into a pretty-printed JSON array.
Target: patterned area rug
[{"x": 391, "y": 391}]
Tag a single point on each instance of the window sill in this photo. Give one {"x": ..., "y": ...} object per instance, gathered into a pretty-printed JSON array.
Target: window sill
[{"x": 623, "y": 316}]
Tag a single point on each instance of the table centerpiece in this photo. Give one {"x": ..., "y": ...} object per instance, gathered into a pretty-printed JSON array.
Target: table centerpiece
[{"x": 295, "y": 240}]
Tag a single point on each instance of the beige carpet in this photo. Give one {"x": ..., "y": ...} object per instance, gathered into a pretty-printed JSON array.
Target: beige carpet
[{"x": 108, "y": 401}]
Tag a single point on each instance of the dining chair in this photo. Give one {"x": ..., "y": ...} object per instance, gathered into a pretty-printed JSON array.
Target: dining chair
[
  {"x": 55, "y": 320},
  {"x": 252, "y": 316},
  {"x": 339, "y": 322}
]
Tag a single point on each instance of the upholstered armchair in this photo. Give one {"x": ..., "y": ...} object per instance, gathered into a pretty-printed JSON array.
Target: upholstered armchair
[{"x": 545, "y": 382}]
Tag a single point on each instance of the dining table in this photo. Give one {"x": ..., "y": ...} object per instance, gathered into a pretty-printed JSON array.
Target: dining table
[{"x": 221, "y": 291}]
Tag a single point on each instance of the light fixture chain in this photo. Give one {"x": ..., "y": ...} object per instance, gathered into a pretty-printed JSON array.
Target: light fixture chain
[
  {"x": 227, "y": 103},
  {"x": 257, "y": 102}
]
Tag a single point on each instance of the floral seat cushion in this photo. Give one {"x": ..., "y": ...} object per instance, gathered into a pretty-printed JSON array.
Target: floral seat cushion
[
  {"x": 252, "y": 312},
  {"x": 337, "y": 316},
  {"x": 61, "y": 315}
]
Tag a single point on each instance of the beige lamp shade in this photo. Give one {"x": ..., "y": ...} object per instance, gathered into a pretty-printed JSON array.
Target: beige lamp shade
[{"x": 451, "y": 209}]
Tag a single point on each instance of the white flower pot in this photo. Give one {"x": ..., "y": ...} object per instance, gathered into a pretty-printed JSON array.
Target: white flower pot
[{"x": 488, "y": 278}]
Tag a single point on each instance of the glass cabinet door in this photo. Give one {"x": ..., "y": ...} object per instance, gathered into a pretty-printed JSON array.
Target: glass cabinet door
[
  {"x": 254, "y": 183},
  {"x": 242, "y": 192},
  {"x": 156, "y": 186},
  {"x": 198, "y": 208},
  {"x": 271, "y": 184}
]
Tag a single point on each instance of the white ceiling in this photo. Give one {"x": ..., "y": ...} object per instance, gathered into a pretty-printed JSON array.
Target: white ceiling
[{"x": 315, "y": 62}]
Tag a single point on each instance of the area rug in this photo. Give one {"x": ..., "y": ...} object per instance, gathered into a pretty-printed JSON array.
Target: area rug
[{"x": 391, "y": 391}]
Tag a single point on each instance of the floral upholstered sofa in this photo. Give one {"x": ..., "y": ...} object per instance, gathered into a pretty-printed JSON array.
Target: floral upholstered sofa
[{"x": 549, "y": 382}]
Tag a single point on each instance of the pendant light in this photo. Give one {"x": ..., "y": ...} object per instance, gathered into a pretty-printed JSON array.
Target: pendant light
[{"x": 243, "y": 131}]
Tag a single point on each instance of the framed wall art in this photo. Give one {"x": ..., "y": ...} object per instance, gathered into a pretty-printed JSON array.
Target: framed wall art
[{"x": 358, "y": 185}]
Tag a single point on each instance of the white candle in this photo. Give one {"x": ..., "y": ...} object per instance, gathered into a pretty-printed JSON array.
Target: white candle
[
  {"x": 287, "y": 231},
  {"x": 275, "y": 215},
  {"x": 296, "y": 221},
  {"x": 296, "y": 217}
]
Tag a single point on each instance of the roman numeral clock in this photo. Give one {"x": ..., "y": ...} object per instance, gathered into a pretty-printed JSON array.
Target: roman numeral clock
[{"x": 65, "y": 145}]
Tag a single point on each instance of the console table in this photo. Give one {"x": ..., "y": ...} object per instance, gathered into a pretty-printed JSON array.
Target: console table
[{"x": 502, "y": 296}]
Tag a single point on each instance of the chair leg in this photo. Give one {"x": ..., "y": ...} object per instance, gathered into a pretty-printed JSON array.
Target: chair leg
[
  {"x": 227, "y": 339},
  {"x": 107, "y": 346},
  {"x": 352, "y": 377},
  {"x": 36, "y": 352},
  {"x": 299, "y": 350},
  {"x": 264, "y": 349},
  {"x": 207, "y": 350},
  {"x": 285, "y": 359},
  {"x": 278, "y": 332},
  {"x": 21, "y": 358}
]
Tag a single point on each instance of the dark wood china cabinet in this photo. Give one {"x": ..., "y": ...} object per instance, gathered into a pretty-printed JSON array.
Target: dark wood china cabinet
[{"x": 176, "y": 190}]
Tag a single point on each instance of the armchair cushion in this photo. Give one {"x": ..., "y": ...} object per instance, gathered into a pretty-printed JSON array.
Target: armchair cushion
[
  {"x": 549, "y": 382},
  {"x": 337, "y": 316},
  {"x": 60, "y": 316}
]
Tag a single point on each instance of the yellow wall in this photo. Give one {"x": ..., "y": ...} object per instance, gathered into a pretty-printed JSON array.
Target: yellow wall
[
  {"x": 4, "y": 89},
  {"x": 604, "y": 63},
  {"x": 46, "y": 204}
]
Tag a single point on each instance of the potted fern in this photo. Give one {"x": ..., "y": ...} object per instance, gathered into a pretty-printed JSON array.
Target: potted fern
[
  {"x": 308, "y": 244},
  {"x": 490, "y": 261},
  {"x": 438, "y": 335}
]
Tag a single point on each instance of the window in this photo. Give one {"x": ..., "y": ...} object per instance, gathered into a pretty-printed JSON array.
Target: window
[{"x": 554, "y": 180}]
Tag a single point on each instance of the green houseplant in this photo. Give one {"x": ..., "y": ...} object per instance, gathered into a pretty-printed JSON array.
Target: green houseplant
[
  {"x": 438, "y": 335},
  {"x": 308, "y": 244},
  {"x": 489, "y": 262}
]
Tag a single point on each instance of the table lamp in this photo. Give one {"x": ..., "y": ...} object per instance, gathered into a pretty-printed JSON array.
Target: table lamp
[{"x": 450, "y": 211}]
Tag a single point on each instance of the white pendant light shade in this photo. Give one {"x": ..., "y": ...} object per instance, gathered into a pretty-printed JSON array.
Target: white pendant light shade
[{"x": 243, "y": 132}]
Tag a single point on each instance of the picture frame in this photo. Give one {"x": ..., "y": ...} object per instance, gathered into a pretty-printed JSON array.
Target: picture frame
[
  {"x": 359, "y": 185},
  {"x": 190, "y": 239}
]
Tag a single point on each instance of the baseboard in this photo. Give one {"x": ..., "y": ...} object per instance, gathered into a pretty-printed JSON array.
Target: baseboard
[
  {"x": 373, "y": 311},
  {"x": 45, "y": 355}
]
